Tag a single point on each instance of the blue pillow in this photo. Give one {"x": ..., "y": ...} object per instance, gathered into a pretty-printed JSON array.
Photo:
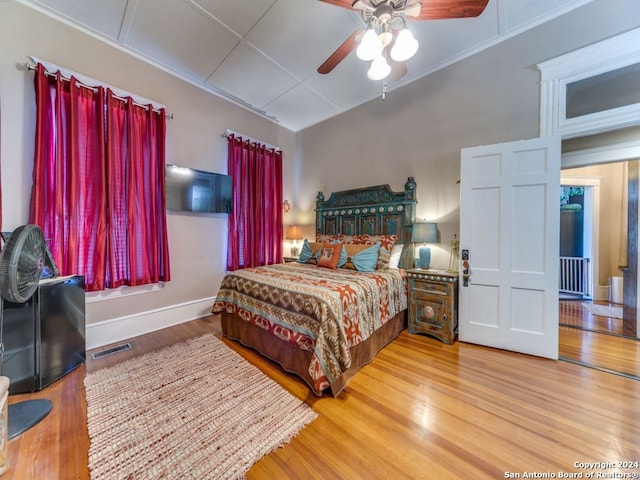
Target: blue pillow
[
  {"x": 305, "y": 252},
  {"x": 366, "y": 260}
]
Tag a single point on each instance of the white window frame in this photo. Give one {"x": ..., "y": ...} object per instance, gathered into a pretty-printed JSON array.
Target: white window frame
[{"x": 605, "y": 56}]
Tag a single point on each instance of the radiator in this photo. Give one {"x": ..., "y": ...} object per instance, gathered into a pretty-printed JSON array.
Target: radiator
[{"x": 574, "y": 276}]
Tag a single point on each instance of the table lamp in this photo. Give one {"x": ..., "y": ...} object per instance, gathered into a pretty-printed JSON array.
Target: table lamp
[
  {"x": 294, "y": 233},
  {"x": 424, "y": 233}
]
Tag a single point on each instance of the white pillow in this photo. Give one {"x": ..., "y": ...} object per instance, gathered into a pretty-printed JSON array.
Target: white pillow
[{"x": 396, "y": 253}]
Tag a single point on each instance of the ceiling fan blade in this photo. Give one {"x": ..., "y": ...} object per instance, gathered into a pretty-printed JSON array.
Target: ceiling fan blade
[
  {"x": 340, "y": 3},
  {"x": 340, "y": 54},
  {"x": 442, "y": 9},
  {"x": 360, "y": 5},
  {"x": 351, "y": 5},
  {"x": 413, "y": 10}
]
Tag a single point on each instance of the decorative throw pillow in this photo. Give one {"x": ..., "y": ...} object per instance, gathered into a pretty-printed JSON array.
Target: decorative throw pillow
[
  {"x": 365, "y": 259},
  {"x": 330, "y": 255},
  {"x": 350, "y": 250},
  {"x": 343, "y": 253},
  {"x": 309, "y": 252},
  {"x": 386, "y": 245}
]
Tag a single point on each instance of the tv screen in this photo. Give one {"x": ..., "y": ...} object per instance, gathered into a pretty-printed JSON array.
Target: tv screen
[{"x": 190, "y": 190}]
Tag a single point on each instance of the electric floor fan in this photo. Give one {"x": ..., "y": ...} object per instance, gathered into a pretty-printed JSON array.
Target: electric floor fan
[{"x": 21, "y": 262}]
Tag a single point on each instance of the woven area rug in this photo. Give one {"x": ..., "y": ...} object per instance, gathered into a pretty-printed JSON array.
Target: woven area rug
[
  {"x": 194, "y": 410},
  {"x": 603, "y": 310}
]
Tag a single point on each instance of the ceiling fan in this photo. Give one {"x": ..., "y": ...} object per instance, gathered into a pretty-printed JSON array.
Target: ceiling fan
[{"x": 386, "y": 40}]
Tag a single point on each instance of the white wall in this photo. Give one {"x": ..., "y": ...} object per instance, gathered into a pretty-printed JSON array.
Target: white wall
[{"x": 197, "y": 243}]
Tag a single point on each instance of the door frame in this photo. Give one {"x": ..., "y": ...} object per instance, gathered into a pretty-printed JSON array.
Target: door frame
[{"x": 557, "y": 74}]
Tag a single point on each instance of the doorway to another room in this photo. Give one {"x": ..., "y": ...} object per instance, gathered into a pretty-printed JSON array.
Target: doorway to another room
[
  {"x": 597, "y": 278},
  {"x": 599, "y": 124}
]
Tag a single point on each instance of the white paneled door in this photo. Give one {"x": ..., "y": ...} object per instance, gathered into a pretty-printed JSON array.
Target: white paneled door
[{"x": 509, "y": 226}]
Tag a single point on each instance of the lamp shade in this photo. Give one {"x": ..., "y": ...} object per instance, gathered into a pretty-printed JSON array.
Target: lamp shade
[
  {"x": 379, "y": 69},
  {"x": 294, "y": 233},
  {"x": 405, "y": 47},
  {"x": 370, "y": 46},
  {"x": 424, "y": 233}
]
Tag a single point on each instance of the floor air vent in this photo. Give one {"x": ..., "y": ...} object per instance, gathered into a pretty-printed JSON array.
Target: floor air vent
[{"x": 109, "y": 351}]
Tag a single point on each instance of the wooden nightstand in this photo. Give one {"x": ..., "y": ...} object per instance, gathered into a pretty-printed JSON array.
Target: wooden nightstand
[{"x": 433, "y": 303}]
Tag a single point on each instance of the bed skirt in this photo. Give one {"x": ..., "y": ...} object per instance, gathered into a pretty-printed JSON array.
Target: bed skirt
[{"x": 297, "y": 361}]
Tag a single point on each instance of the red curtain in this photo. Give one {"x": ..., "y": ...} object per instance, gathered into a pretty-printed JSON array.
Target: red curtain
[
  {"x": 69, "y": 190},
  {"x": 255, "y": 223},
  {"x": 98, "y": 194},
  {"x": 137, "y": 231}
]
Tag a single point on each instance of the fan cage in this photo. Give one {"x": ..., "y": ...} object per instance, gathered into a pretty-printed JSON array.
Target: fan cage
[{"x": 21, "y": 262}]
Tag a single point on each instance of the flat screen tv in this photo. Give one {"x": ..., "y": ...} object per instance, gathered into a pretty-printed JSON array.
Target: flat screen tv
[{"x": 190, "y": 190}]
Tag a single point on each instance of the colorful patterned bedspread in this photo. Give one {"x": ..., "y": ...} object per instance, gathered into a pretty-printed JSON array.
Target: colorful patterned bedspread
[{"x": 321, "y": 310}]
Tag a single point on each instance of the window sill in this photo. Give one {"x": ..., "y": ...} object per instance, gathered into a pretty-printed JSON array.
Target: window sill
[{"x": 124, "y": 291}]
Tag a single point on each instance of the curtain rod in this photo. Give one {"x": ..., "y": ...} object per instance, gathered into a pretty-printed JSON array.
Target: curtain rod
[
  {"x": 86, "y": 82},
  {"x": 227, "y": 133}
]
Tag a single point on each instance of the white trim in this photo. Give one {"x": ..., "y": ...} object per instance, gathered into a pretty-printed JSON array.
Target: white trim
[
  {"x": 605, "y": 56},
  {"x": 124, "y": 291},
  {"x": 616, "y": 152},
  {"x": 122, "y": 328}
]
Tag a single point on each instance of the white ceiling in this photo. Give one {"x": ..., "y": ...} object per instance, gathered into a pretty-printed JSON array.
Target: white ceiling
[{"x": 263, "y": 54}]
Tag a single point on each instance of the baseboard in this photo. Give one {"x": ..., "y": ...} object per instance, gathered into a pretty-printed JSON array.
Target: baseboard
[{"x": 122, "y": 328}]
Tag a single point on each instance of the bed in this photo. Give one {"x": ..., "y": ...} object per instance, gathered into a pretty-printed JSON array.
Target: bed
[{"x": 324, "y": 324}]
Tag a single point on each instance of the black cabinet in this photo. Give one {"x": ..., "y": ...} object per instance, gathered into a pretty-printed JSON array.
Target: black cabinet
[{"x": 44, "y": 338}]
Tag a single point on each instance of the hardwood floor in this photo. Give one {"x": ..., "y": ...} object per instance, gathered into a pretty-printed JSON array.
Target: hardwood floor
[
  {"x": 597, "y": 341},
  {"x": 421, "y": 409},
  {"x": 574, "y": 314}
]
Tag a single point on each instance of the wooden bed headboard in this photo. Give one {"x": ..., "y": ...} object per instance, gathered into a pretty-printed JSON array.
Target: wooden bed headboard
[{"x": 371, "y": 210}]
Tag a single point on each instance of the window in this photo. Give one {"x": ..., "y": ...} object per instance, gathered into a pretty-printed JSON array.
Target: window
[
  {"x": 98, "y": 189},
  {"x": 592, "y": 90}
]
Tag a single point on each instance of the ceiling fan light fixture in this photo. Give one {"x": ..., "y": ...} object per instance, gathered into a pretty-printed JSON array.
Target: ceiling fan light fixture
[
  {"x": 370, "y": 46},
  {"x": 379, "y": 69},
  {"x": 385, "y": 38},
  {"x": 405, "y": 47}
]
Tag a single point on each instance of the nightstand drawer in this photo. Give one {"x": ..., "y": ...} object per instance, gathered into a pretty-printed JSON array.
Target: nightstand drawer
[{"x": 429, "y": 286}]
